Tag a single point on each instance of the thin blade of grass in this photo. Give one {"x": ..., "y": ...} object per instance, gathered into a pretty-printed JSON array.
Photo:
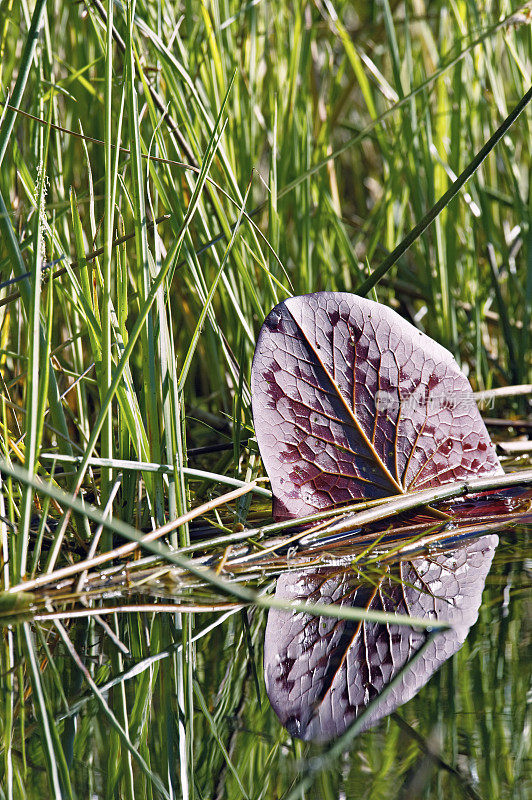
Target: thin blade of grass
[{"x": 445, "y": 199}]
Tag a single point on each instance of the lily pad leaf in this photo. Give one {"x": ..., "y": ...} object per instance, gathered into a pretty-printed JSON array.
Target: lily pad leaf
[{"x": 350, "y": 401}]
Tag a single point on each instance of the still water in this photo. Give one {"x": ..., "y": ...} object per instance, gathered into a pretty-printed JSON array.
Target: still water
[{"x": 235, "y": 704}]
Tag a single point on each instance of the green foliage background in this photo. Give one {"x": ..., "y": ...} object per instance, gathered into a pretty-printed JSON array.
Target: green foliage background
[{"x": 335, "y": 127}]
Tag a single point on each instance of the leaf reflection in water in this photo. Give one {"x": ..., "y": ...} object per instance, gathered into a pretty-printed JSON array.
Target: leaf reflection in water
[{"x": 321, "y": 673}]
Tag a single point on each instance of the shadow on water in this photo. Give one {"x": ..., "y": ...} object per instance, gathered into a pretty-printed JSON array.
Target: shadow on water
[{"x": 321, "y": 673}]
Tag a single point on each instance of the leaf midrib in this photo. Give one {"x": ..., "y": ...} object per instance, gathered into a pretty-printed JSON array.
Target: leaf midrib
[{"x": 350, "y": 412}]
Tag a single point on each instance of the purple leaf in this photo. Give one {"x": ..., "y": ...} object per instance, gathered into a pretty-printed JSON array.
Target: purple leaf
[
  {"x": 321, "y": 673},
  {"x": 351, "y": 401}
]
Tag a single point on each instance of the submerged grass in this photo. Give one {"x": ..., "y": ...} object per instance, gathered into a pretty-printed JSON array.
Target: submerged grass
[{"x": 167, "y": 174}]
